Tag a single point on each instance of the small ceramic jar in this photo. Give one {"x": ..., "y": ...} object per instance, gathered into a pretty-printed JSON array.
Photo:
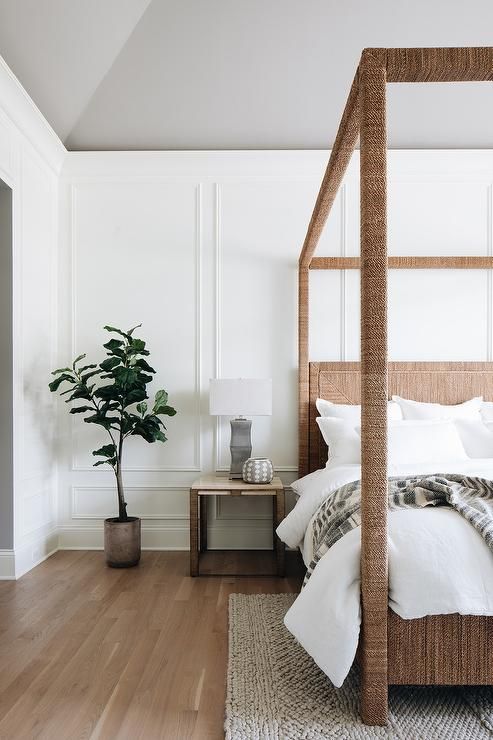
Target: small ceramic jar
[{"x": 258, "y": 470}]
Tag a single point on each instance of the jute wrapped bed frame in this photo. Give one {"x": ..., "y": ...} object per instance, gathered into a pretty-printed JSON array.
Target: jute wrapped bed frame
[{"x": 449, "y": 649}]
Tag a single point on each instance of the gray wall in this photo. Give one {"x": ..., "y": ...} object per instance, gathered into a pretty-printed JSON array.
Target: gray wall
[{"x": 6, "y": 443}]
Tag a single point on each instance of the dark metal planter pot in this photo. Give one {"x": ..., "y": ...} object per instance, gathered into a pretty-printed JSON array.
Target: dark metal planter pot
[{"x": 122, "y": 542}]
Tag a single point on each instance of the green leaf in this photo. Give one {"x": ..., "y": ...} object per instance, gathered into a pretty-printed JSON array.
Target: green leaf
[
  {"x": 55, "y": 384},
  {"x": 77, "y": 359},
  {"x": 109, "y": 392},
  {"x": 111, "y": 461},
  {"x": 117, "y": 331},
  {"x": 129, "y": 421},
  {"x": 80, "y": 391},
  {"x": 62, "y": 370},
  {"x": 149, "y": 428},
  {"x": 113, "y": 344},
  {"x": 110, "y": 363},
  {"x": 106, "y": 451},
  {"x": 161, "y": 404},
  {"x": 86, "y": 367},
  {"x": 143, "y": 378},
  {"x": 137, "y": 344},
  {"x": 166, "y": 411},
  {"x": 161, "y": 398},
  {"x": 142, "y": 408},
  {"x": 137, "y": 347},
  {"x": 107, "y": 422},
  {"x": 135, "y": 396},
  {"x": 144, "y": 365},
  {"x": 131, "y": 331},
  {"x": 109, "y": 406},
  {"x": 125, "y": 376},
  {"x": 81, "y": 409},
  {"x": 145, "y": 431}
]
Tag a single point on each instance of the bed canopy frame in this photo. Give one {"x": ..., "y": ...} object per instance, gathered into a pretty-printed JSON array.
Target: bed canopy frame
[{"x": 445, "y": 649}]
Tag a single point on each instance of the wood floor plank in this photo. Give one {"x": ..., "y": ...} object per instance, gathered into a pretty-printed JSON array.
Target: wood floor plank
[{"x": 102, "y": 654}]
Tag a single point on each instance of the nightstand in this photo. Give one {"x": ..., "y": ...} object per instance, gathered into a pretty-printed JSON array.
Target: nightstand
[{"x": 221, "y": 486}]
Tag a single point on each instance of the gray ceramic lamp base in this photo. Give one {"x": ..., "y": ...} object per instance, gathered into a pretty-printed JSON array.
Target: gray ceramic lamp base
[{"x": 240, "y": 446}]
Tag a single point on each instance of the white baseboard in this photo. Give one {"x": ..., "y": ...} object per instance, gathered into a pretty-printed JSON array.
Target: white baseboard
[
  {"x": 7, "y": 565},
  {"x": 40, "y": 545},
  {"x": 32, "y": 553}
]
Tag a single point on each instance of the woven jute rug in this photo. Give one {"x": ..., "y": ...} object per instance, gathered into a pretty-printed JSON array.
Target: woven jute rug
[{"x": 275, "y": 690}]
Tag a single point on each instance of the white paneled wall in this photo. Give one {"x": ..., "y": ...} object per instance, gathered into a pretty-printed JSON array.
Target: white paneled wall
[
  {"x": 198, "y": 248},
  {"x": 30, "y": 160},
  {"x": 203, "y": 249}
]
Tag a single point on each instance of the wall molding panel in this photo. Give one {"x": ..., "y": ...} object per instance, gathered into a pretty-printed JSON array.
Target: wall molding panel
[
  {"x": 194, "y": 466},
  {"x": 161, "y": 502}
]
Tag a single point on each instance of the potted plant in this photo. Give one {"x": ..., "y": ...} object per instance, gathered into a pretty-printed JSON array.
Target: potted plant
[{"x": 119, "y": 405}]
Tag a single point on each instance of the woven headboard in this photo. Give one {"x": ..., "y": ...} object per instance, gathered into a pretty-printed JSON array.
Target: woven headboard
[{"x": 439, "y": 382}]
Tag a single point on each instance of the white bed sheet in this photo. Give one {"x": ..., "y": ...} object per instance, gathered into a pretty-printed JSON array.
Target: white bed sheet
[{"x": 438, "y": 564}]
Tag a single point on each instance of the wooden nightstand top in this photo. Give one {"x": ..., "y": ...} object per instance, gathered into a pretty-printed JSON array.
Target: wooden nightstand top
[{"x": 217, "y": 485}]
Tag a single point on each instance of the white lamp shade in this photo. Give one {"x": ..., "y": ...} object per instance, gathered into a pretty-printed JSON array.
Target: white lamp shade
[{"x": 240, "y": 397}]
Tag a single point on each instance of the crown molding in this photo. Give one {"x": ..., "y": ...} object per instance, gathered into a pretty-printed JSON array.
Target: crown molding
[{"x": 26, "y": 117}]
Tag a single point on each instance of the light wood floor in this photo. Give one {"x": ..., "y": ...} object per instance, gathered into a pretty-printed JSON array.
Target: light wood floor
[{"x": 91, "y": 652}]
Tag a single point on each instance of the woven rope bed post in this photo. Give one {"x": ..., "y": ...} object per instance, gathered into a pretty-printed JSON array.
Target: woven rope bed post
[
  {"x": 344, "y": 144},
  {"x": 374, "y": 571}
]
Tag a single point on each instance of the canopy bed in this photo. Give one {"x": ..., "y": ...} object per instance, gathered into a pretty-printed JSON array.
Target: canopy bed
[{"x": 439, "y": 649}]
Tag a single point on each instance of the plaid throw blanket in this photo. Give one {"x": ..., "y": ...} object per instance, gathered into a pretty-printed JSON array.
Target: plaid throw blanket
[{"x": 341, "y": 512}]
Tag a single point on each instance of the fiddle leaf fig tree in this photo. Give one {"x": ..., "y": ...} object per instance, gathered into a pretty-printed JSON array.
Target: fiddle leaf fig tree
[{"x": 113, "y": 394}]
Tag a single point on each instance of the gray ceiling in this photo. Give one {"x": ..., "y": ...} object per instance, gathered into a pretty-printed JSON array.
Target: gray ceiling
[{"x": 236, "y": 74}]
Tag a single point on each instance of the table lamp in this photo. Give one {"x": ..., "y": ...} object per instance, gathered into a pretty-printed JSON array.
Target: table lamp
[{"x": 240, "y": 397}]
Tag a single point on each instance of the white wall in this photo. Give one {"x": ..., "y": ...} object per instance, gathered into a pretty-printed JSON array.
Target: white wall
[
  {"x": 203, "y": 248},
  {"x": 30, "y": 159},
  {"x": 6, "y": 384}
]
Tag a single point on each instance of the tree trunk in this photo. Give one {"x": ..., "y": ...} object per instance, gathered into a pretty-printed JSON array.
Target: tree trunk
[{"x": 122, "y": 506}]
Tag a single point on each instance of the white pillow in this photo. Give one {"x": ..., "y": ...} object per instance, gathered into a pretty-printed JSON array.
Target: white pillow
[
  {"x": 487, "y": 411},
  {"x": 341, "y": 438},
  {"x": 309, "y": 483},
  {"x": 476, "y": 437},
  {"x": 423, "y": 441},
  {"x": 420, "y": 410},
  {"x": 351, "y": 412}
]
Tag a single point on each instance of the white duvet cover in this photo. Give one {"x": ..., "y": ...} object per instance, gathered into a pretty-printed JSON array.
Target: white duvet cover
[{"x": 438, "y": 564}]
